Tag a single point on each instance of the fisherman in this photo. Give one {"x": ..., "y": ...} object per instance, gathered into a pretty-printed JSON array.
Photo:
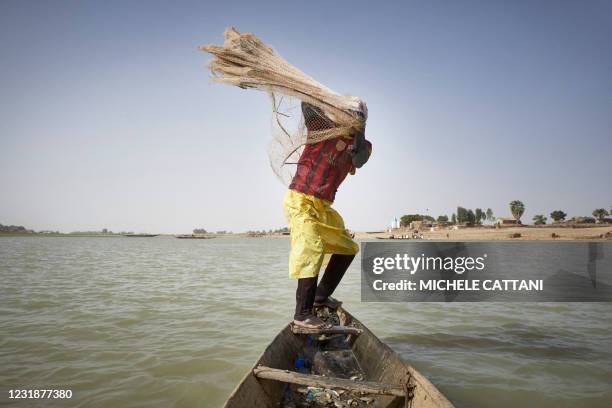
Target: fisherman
[{"x": 316, "y": 228}]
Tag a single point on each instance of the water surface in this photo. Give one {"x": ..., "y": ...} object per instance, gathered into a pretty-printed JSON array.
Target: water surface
[{"x": 135, "y": 322}]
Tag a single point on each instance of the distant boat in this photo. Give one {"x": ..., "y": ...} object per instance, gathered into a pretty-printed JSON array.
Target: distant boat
[
  {"x": 140, "y": 235},
  {"x": 191, "y": 236}
]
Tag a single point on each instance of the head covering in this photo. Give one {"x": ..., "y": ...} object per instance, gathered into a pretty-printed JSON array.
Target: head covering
[{"x": 315, "y": 119}]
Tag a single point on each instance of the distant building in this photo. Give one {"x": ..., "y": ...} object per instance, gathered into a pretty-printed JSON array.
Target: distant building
[
  {"x": 395, "y": 223},
  {"x": 416, "y": 225},
  {"x": 505, "y": 221}
]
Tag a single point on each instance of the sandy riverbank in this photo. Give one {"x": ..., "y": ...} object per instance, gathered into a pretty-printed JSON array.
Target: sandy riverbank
[{"x": 506, "y": 233}]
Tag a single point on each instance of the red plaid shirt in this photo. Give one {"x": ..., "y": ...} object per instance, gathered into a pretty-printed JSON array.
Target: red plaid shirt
[{"x": 323, "y": 166}]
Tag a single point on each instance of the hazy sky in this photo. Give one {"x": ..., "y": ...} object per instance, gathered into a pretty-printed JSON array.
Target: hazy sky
[{"x": 108, "y": 117}]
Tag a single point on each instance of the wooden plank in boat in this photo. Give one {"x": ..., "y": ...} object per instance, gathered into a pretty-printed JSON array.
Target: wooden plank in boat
[
  {"x": 333, "y": 330},
  {"x": 366, "y": 387}
]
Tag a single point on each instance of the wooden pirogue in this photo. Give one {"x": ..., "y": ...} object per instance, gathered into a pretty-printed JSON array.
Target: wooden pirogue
[{"x": 388, "y": 381}]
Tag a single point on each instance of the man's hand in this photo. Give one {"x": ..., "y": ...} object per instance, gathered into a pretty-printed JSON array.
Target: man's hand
[{"x": 359, "y": 151}]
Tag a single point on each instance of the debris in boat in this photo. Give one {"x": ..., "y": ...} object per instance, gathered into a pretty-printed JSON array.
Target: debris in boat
[
  {"x": 327, "y": 355},
  {"x": 319, "y": 397},
  {"x": 334, "y": 394},
  {"x": 328, "y": 316},
  {"x": 336, "y": 363},
  {"x": 301, "y": 365}
]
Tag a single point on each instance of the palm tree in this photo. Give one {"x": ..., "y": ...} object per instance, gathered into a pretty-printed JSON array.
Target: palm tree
[{"x": 517, "y": 208}]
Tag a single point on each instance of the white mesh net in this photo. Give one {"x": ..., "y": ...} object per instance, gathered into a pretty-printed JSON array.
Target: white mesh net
[{"x": 245, "y": 61}]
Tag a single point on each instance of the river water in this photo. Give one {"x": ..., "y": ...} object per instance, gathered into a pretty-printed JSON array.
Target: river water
[{"x": 135, "y": 322}]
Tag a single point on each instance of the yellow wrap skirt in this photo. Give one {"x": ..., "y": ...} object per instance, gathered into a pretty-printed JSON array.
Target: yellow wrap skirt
[{"x": 316, "y": 230}]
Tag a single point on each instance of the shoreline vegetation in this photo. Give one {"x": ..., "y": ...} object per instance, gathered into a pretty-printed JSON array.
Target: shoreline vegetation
[
  {"x": 463, "y": 225},
  {"x": 467, "y": 224},
  {"x": 198, "y": 233}
]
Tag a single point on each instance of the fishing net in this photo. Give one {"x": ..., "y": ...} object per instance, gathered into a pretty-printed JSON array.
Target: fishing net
[{"x": 245, "y": 61}]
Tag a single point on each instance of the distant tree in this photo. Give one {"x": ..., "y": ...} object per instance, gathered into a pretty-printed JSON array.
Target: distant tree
[
  {"x": 479, "y": 215},
  {"x": 465, "y": 216},
  {"x": 104, "y": 231},
  {"x": 558, "y": 215},
  {"x": 462, "y": 216},
  {"x": 199, "y": 231},
  {"x": 471, "y": 217},
  {"x": 539, "y": 219},
  {"x": 14, "y": 228},
  {"x": 405, "y": 220},
  {"x": 443, "y": 218},
  {"x": 582, "y": 220},
  {"x": 489, "y": 215},
  {"x": 454, "y": 218},
  {"x": 600, "y": 214},
  {"x": 517, "y": 208}
]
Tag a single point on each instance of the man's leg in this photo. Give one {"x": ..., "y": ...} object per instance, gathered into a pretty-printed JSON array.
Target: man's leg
[
  {"x": 304, "y": 297},
  {"x": 337, "y": 266},
  {"x": 304, "y": 301}
]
